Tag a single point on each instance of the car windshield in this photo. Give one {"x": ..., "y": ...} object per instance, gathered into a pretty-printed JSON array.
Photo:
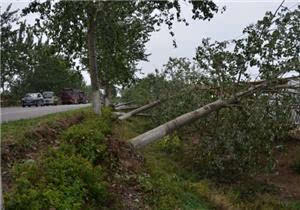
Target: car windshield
[
  {"x": 29, "y": 95},
  {"x": 48, "y": 94}
]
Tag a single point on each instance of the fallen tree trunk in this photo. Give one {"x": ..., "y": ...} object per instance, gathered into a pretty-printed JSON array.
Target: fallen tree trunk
[
  {"x": 123, "y": 104},
  {"x": 138, "y": 110},
  {"x": 138, "y": 114},
  {"x": 162, "y": 130},
  {"x": 126, "y": 107}
]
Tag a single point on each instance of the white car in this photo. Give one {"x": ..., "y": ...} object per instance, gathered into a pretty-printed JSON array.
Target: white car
[{"x": 50, "y": 98}]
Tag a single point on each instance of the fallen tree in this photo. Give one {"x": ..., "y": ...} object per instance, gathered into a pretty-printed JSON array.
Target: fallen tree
[
  {"x": 138, "y": 110},
  {"x": 127, "y": 107},
  {"x": 122, "y": 104},
  {"x": 138, "y": 114},
  {"x": 166, "y": 128}
]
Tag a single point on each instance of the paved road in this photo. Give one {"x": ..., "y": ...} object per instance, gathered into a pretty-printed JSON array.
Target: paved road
[{"x": 17, "y": 113}]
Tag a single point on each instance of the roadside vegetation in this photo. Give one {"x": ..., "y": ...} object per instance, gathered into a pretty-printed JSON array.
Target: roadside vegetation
[
  {"x": 90, "y": 165},
  {"x": 219, "y": 139}
]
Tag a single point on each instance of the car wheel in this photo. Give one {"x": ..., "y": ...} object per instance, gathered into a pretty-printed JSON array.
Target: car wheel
[
  {"x": 23, "y": 105},
  {"x": 29, "y": 105}
]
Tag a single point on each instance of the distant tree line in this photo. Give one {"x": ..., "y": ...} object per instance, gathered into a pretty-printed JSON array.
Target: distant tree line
[{"x": 29, "y": 62}]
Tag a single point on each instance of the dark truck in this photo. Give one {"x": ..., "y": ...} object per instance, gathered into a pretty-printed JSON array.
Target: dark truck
[{"x": 73, "y": 96}]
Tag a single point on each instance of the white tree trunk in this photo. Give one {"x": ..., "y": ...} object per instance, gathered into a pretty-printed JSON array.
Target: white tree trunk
[
  {"x": 138, "y": 110},
  {"x": 93, "y": 69},
  {"x": 126, "y": 107},
  {"x": 123, "y": 104},
  {"x": 96, "y": 101},
  {"x": 162, "y": 130}
]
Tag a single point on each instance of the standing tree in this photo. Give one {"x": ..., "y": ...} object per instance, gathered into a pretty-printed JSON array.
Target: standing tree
[
  {"x": 74, "y": 25},
  {"x": 119, "y": 51},
  {"x": 9, "y": 52}
]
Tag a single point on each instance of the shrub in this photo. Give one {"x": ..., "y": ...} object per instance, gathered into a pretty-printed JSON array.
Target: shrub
[
  {"x": 57, "y": 181},
  {"x": 88, "y": 139},
  {"x": 89, "y": 143},
  {"x": 170, "y": 143}
]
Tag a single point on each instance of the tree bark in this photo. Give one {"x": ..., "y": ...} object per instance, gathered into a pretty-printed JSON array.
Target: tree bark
[
  {"x": 162, "y": 130},
  {"x": 92, "y": 60},
  {"x": 123, "y": 104},
  {"x": 138, "y": 110},
  {"x": 126, "y": 107}
]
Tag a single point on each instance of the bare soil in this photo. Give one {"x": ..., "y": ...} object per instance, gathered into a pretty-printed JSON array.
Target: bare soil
[
  {"x": 284, "y": 177},
  {"x": 126, "y": 164}
]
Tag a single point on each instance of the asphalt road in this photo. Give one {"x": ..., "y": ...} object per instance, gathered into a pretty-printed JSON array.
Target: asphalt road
[{"x": 17, "y": 113}]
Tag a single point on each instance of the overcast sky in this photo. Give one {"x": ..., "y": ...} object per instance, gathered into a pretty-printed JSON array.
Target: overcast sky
[{"x": 228, "y": 25}]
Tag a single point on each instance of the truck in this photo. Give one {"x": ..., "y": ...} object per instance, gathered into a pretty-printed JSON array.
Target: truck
[{"x": 73, "y": 96}]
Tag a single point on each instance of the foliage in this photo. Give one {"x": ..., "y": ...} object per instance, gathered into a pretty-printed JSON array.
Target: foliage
[
  {"x": 170, "y": 144},
  {"x": 88, "y": 139},
  {"x": 48, "y": 72},
  {"x": 57, "y": 181},
  {"x": 123, "y": 30},
  {"x": 29, "y": 64},
  {"x": 239, "y": 144},
  {"x": 144, "y": 90},
  {"x": 236, "y": 141},
  {"x": 67, "y": 177},
  {"x": 67, "y": 22},
  {"x": 9, "y": 47}
]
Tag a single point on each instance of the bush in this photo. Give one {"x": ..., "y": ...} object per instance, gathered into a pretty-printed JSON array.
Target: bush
[
  {"x": 88, "y": 139},
  {"x": 68, "y": 177},
  {"x": 170, "y": 143},
  {"x": 57, "y": 181},
  {"x": 89, "y": 143}
]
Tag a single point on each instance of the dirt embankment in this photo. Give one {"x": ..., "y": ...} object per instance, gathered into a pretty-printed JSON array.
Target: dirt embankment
[{"x": 33, "y": 142}]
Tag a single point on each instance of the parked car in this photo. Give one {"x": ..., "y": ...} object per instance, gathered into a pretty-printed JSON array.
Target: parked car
[
  {"x": 50, "y": 98},
  {"x": 69, "y": 96},
  {"x": 31, "y": 99}
]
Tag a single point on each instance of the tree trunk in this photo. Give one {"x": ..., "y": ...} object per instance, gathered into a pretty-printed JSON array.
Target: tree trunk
[
  {"x": 138, "y": 110},
  {"x": 123, "y": 104},
  {"x": 92, "y": 60},
  {"x": 127, "y": 107},
  {"x": 162, "y": 130}
]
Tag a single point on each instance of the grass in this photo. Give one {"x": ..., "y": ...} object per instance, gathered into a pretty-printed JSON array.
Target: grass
[
  {"x": 171, "y": 186},
  {"x": 164, "y": 185},
  {"x": 15, "y": 130}
]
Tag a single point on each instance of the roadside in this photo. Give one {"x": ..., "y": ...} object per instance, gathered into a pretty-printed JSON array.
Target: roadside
[
  {"x": 17, "y": 113},
  {"x": 79, "y": 160},
  {"x": 27, "y": 139}
]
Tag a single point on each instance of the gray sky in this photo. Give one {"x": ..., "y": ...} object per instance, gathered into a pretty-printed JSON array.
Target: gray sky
[{"x": 229, "y": 25}]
